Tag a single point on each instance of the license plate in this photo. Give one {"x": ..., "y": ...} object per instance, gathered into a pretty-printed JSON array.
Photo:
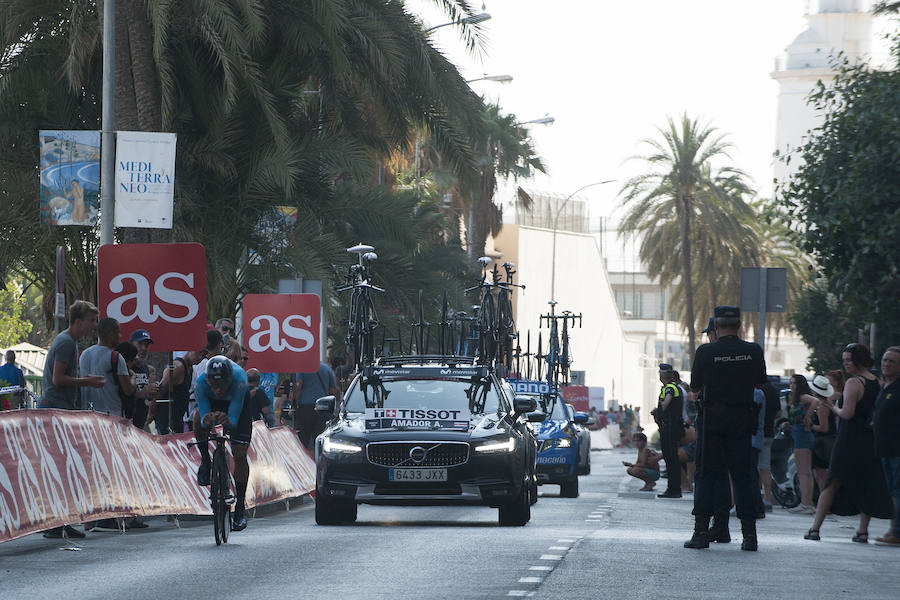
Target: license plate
[{"x": 417, "y": 474}]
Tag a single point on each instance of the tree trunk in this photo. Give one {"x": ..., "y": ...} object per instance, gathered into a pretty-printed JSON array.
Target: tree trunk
[{"x": 686, "y": 274}]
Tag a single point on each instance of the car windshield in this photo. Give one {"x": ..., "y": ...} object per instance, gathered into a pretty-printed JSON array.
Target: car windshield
[
  {"x": 553, "y": 408},
  {"x": 477, "y": 397}
]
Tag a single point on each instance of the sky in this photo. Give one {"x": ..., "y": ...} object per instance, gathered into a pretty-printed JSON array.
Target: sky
[{"x": 611, "y": 71}]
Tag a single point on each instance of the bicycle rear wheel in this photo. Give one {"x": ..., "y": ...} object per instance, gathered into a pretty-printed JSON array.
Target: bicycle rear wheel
[
  {"x": 505, "y": 326},
  {"x": 487, "y": 343}
]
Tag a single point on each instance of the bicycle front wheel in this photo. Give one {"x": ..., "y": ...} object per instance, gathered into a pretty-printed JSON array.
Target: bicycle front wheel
[
  {"x": 218, "y": 493},
  {"x": 487, "y": 343}
]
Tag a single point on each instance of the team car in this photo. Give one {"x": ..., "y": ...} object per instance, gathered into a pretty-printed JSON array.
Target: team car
[
  {"x": 561, "y": 450},
  {"x": 431, "y": 433}
]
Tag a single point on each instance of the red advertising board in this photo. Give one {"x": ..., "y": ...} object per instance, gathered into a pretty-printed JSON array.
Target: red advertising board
[
  {"x": 157, "y": 287},
  {"x": 577, "y": 396},
  {"x": 281, "y": 332}
]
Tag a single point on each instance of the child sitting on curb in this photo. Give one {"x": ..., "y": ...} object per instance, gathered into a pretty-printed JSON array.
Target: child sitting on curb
[{"x": 647, "y": 466}]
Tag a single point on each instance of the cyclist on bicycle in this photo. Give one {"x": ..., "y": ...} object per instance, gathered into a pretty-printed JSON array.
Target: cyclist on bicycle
[{"x": 220, "y": 392}]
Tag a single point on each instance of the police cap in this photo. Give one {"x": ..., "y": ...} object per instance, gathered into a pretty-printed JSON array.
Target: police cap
[
  {"x": 665, "y": 368},
  {"x": 710, "y": 327},
  {"x": 727, "y": 312}
]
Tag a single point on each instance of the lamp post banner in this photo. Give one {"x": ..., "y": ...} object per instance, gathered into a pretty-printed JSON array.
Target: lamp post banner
[
  {"x": 70, "y": 177},
  {"x": 61, "y": 467},
  {"x": 145, "y": 179},
  {"x": 157, "y": 287}
]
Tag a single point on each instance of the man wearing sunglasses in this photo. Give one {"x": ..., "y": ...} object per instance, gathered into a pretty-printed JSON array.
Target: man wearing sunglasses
[
  {"x": 220, "y": 392},
  {"x": 225, "y": 326}
]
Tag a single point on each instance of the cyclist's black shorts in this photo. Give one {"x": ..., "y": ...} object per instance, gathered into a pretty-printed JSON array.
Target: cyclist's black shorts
[{"x": 241, "y": 433}]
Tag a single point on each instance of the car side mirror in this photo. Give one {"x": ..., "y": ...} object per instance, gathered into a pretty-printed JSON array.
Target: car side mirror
[
  {"x": 536, "y": 417},
  {"x": 524, "y": 404},
  {"x": 580, "y": 417},
  {"x": 325, "y": 404}
]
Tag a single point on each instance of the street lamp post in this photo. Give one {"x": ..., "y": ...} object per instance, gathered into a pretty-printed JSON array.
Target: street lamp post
[
  {"x": 495, "y": 78},
  {"x": 545, "y": 120},
  {"x": 556, "y": 224}
]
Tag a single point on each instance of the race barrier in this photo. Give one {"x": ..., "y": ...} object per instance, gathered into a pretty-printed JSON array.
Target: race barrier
[{"x": 64, "y": 467}]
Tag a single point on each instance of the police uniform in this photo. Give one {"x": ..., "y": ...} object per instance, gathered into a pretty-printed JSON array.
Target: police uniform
[
  {"x": 727, "y": 371},
  {"x": 671, "y": 430}
]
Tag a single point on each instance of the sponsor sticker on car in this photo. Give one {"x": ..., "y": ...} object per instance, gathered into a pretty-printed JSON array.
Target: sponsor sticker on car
[{"x": 417, "y": 418}]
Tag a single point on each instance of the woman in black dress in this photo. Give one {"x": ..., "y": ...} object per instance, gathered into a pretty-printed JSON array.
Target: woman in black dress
[{"x": 855, "y": 483}]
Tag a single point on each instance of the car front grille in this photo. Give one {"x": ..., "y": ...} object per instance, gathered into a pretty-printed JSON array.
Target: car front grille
[{"x": 400, "y": 454}]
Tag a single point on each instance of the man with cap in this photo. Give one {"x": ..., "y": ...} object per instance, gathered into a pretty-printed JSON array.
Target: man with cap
[
  {"x": 144, "y": 377},
  {"x": 718, "y": 531},
  {"x": 671, "y": 428},
  {"x": 727, "y": 371}
]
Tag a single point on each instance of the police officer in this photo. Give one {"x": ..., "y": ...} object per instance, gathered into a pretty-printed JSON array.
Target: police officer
[
  {"x": 727, "y": 371},
  {"x": 671, "y": 428}
]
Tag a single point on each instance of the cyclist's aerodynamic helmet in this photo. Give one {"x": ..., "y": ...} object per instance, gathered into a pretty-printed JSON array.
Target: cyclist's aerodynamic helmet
[{"x": 219, "y": 373}]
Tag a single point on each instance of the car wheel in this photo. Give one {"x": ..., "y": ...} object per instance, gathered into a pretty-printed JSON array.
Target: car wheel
[
  {"x": 517, "y": 512},
  {"x": 569, "y": 488},
  {"x": 533, "y": 492}
]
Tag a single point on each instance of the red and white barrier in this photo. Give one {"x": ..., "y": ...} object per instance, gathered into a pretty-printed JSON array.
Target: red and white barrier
[{"x": 59, "y": 467}]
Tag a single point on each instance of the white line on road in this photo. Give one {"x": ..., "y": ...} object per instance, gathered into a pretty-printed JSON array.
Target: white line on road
[
  {"x": 519, "y": 593},
  {"x": 540, "y": 568},
  {"x": 551, "y": 557},
  {"x": 531, "y": 579},
  {"x": 566, "y": 541},
  {"x": 558, "y": 548}
]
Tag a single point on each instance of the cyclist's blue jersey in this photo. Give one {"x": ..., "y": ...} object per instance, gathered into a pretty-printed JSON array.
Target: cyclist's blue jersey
[{"x": 232, "y": 402}]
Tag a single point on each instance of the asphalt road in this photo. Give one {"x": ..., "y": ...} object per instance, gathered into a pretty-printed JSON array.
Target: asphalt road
[{"x": 611, "y": 542}]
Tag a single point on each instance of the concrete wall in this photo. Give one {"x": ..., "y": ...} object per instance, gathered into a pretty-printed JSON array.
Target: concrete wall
[{"x": 600, "y": 347}]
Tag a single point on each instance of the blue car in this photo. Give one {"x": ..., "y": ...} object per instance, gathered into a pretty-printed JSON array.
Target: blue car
[{"x": 558, "y": 441}]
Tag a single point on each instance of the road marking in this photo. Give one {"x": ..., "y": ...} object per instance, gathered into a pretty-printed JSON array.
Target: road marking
[
  {"x": 551, "y": 557},
  {"x": 593, "y": 520},
  {"x": 530, "y": 579},
  {"x": 558, "y": 548},
  {"x": 519, "y": 593},
  {"x": 540, "y": 568},
  {"x": 566, "y": 541}
]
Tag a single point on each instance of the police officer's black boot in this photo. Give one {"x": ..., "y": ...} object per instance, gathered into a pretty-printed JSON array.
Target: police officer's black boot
[
  {"x": 700, "y": 539},
  {"x": 748, "y": 528},
  {"x": 719, "y": 530}
]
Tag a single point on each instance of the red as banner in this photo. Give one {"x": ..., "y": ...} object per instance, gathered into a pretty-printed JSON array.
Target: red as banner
[
  {"x": 282, "y": 332},
  {"x": 577, "y": 396},
  {"x": 59, "y": 467},
  {"x": 157, "y": 287}
]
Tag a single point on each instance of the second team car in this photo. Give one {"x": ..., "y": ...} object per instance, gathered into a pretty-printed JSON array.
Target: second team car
[
  {"x": 427, "y": 431},
  {"x": 562, "y": 455}
]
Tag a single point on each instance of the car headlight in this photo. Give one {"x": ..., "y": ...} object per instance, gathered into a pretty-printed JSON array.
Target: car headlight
[
  {"x": 505, "y": 446},
  {"x": 564, "y": 443},
  {"x": 339, "y": 447}
]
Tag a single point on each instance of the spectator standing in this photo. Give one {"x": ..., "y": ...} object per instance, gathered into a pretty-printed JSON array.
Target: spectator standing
[
  {"x": 144, "y": 378},
  {"x": 180, "y": 372},
  {"x": 310, "y": 387},
  {"x": 257, "y": 399},
  {"x": 102, "y": 359},
  {"x": 671, "y": 428},
  {"x": 824, "y": 428},
  {"x": 726, "y": 371},
  {"x": 764, "y": 464},
  {"x": 855, "y": 483},
  {"x": 225, "y": 326},
  {"x": 11, "y": 375},
  {"x": 887, "y": 435},
  {"x": 60, "y": 383},
  {"x": 800, "y": 414}
]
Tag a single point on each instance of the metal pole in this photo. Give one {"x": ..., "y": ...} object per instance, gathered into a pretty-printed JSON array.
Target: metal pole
[
  {"x": 762, "y": 308},
  {"x": 108, "y": 143}
]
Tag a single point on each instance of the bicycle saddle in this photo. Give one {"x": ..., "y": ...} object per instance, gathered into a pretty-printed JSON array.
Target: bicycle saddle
[{"x": 485, "y": 260}]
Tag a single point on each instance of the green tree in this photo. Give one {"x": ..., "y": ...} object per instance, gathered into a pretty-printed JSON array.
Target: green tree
[
  {"x": 14, "y": 328},
  {"x": 680, "y": 202},
  {"x": 842, "y": 200}
]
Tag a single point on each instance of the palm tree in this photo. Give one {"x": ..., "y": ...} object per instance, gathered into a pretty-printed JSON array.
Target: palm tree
[{"x": 680, "y": 191}]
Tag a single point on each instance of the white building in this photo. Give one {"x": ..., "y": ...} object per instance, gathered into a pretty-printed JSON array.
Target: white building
[{"x": 845, "y": 27}]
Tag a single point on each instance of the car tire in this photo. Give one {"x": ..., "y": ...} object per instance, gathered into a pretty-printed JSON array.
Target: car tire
[
  {"x": 569, "y": 488},
  {"x": 517, "y": 512},
  {"x": 533, "y": 492},
  {"x": 334, "y": 512}
]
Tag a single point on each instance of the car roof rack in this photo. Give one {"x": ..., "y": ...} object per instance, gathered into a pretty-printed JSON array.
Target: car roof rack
[{"x": 426, "y": 359}]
